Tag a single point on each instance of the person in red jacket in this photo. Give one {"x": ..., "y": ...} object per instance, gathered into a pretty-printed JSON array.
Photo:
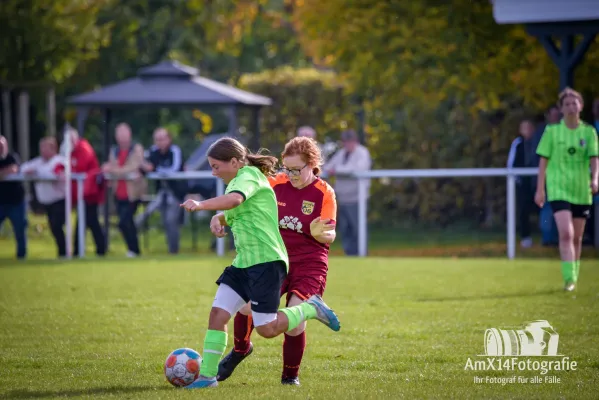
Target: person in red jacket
[{"x": 84, "y": 160}]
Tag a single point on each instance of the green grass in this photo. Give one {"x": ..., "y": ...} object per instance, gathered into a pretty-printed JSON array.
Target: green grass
[
  {"x": 405, "y": 241},
  {"x": 103, "y": 328}
]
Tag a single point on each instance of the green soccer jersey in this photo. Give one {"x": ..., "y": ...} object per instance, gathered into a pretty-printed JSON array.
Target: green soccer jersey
[
  {"x": 569, "y": 151},
  {"x": 255, "y": 222}
]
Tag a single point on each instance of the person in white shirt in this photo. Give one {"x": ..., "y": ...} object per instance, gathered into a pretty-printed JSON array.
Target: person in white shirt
[
  {"x": 353, "y": 157},
  {"x": 50, "y": 194}
]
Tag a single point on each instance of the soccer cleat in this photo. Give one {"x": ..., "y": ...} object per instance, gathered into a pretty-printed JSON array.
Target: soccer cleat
[
  {"x": 324, "y": 313},
  {"x": 228, "y": 364},
  {"x": 570, "y": 286},
  {"x": 202, "y": 382},
  {"x": 290, "y": 381}
]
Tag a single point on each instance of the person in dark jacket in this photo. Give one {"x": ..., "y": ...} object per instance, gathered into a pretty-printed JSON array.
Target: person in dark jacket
[
  {"x": 12, "y": 198},
  {"x": 166, "y": 158},
  {"x": 523, "y": 155}
]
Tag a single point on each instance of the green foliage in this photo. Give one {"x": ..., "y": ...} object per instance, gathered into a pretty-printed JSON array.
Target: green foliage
[
  {"x": 300, "y": 97},
  {"x": 46, "y": 40}
]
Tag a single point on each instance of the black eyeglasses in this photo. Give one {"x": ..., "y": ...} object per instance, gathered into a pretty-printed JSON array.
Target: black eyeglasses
[{"x": 293, "y": 172}]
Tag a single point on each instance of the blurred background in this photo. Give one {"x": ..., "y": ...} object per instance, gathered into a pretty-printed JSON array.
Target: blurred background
[{"x": 425, "y": 84}]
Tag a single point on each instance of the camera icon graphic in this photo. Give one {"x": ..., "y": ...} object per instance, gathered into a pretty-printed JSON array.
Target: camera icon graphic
[{"x": 538, "y": 338}]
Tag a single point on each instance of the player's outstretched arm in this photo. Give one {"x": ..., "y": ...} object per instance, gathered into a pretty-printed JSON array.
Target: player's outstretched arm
[{"x": 224, "y": 202}]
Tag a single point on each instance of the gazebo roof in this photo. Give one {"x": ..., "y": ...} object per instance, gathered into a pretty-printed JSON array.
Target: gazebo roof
[
  {"x": 168, "y": 83},
  {"x": 536, "y": 11}
]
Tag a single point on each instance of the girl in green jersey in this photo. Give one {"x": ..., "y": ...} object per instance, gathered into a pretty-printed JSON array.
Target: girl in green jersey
[
  {"x": 567, "y": 149},
  {"x": 258, "y": 270}
]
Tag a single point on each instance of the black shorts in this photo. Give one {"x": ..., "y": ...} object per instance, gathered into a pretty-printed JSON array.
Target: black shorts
[
  {"x": 260, "y": 284},
  {"x": 578, "y": 210}
]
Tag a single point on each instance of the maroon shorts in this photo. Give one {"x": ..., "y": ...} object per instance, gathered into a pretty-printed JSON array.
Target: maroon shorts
[{"x": 304, "y": 280}]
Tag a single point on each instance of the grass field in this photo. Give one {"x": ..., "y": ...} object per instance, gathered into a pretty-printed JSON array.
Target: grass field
[
  {"x": 404, "y": 241},
  {"x": 102, "y": 328}
]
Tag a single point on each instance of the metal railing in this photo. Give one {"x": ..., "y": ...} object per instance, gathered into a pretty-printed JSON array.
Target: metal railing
[
  {"x": 509, "y": 173},
  {"x": 362, "y": 177},
  {"x": 79, "y": 178}
]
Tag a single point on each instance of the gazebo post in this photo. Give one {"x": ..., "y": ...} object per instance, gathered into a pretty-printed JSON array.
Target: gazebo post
[
  {"x": 233, "y": 125},
  {"x": 107, "y": 195},
  {"x": 256, "y": 121}
]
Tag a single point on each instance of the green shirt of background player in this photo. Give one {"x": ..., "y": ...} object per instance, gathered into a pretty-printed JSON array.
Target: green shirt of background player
[
  {"x": 567, "y": 149},
  {"x": 257, "y": 272}
]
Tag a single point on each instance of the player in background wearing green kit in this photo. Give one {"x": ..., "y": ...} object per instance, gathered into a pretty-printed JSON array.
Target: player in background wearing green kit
[
  {"x": 566, "y": 150},
  {"x": 258, "y": 270}
]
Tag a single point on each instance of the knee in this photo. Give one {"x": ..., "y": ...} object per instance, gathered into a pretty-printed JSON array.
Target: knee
[
  {"x": 297, "y": 331},
  {"x": 218, "y": 319},
  {"x": 246, "y": 310},
  {"x": 267, "y": 331},
  {"x": 566, "y": 235}
]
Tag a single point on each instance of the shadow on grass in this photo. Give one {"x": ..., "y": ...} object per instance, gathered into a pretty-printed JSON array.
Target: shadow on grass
[
  {"x": 118, "y": 390},
  {"x": 492, "y": 296}
]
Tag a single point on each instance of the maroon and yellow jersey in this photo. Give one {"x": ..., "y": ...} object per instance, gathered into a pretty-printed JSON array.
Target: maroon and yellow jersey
[{"x": 297, "y": 209}]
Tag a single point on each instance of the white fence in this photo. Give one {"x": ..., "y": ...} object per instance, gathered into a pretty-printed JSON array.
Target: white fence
[
  {"x": 79, "y": 178},
  {"x": 509, "y": 173},
  {"x": 362, "y": 177}
]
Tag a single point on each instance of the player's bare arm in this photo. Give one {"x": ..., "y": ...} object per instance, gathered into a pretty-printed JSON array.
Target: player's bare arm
[
  {"x": 225, "y": 202},
  {"x": 540, "y": 194}
]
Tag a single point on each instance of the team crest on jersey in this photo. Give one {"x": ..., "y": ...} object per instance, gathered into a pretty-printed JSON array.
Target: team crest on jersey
[{"x": 307, "y": 207}]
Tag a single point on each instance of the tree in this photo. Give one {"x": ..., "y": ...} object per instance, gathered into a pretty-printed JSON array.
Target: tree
[
  {"x": 45, "y": 40},
  {"x": 431, "y": 50}
]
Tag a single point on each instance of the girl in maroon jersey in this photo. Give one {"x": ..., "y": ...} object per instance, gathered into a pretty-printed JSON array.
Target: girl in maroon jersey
[{"x": 307, "y": 213}]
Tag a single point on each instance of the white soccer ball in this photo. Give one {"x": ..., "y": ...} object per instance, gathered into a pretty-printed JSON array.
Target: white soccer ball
[{"x": 182, "y": 367}]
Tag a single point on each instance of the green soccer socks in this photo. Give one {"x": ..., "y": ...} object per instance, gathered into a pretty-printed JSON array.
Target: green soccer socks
[
  {"x": 569, "y": 271},
  {"x": 298, "y": 314},
  {"x": 215, "y": 344},
  {"x": 576, "y": 270}
]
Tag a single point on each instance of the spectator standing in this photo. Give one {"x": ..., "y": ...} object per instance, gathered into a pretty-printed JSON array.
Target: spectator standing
[
  {"x": 125, "y": 161},
  {"x": 523, "y": 155},
  {"x": 50, "y": 194},
  {"x": 12, "y": 198},
  {"x": 326, "y": 149},
  {"x": 166, "y": 158},
  {"x": 353, "y": 157},
  {"x": 84, "y": 160}
]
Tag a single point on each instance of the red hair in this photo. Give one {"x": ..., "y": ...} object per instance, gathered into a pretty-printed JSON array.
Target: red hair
[{"x": 308, "y": 149}]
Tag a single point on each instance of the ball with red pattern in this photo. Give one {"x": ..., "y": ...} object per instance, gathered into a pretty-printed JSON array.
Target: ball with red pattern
[{"x": 182, "y": 367}]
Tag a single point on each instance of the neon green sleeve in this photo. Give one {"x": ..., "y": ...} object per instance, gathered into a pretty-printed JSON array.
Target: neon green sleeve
[
  {"x": 593, "y": 143},
  {"x": 245, "y": 183}
]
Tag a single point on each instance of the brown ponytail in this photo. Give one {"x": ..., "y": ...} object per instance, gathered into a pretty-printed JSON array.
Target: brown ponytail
[
  {"x": 265, "y": 163},
  {"x": 227, "y": 148}
]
